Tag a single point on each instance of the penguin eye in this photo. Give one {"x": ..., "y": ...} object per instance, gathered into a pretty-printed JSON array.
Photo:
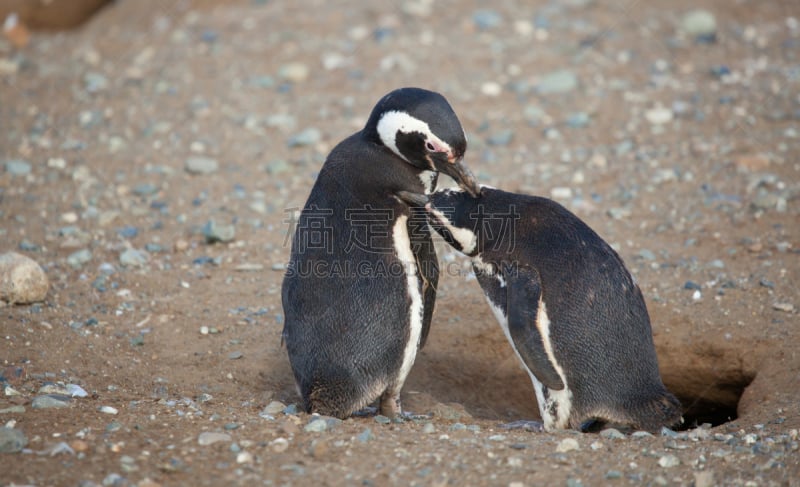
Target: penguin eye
[{"x": 429, "y": 145}]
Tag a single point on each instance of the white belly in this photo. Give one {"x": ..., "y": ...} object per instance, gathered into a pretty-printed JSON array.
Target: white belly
[
  {"x": 402, "y": 245},
  {"x": 555, "y": 410}
]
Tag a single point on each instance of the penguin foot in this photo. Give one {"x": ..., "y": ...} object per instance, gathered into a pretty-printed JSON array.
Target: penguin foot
[
  {"x": 523, "y": 424},
  {"x": 390, "y": 405}
]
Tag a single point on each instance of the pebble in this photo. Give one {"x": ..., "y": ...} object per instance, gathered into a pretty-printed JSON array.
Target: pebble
[
  {"x": 108, "y": 410},
  {"x": 133, "y": 258},
  {"x": 295, "y": 72},
  {"x": 382, "y": 419},
  {"x": 210, "y": 437},
  {"x": 217, "y": 232},
  {"x": 491, "y": 88},
  {"x": 77, "y": 259},
  {"x": 699, "y": 24},
  {"x": 556, "y": 82},
  {"x": 17, "y": 167},
  {"x": 568, "y": 444},
  {"x": 317, "y": 425},
  {"x": 785, "y": 307},
  {"x": 12, "y": 409},
  {"x": 659, "y": 115},
  {"x": 485, "y": 19},
  {"x": 578, "y": 120},
  {"x": 12, "y": 440},
  {"x": 51, "y": 401},
  {"x": 704, "y": 478},
  {"x": 273, "y": 408},
  {"x": 22, "y": 280},
  {"x": 612, "y": 434},
  {"x": 244, "y": 457},
  {"x": 235, "y": 355},
  {"x": 668, "y": 461},
  {"x": 305, "y": 138},
  {"x": 201, "y": 165},
  {"x": 279, "y": 445},
  {"x": 429, "y": 428}
]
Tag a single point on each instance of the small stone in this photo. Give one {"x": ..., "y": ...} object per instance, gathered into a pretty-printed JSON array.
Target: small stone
[
  {"x": 501, "y": 138},
  {"x": 17, "y": 167},
  {"x": 699, "y": 23},
  {"x": 22, "y": 280},
  {"x": 704, "y": 478},
  {"x": 317, "y": 425},
  {"x": 429, "y": 428},
  {"x": 486, "y": 19},
  {"x": 108, "y": 410},
  {"x": 691, "y": 285},
  {"x": 557, "y": 82},
  {"x": 51, "y": 401},
  {"x": 210, "y": 437},
  {"x": 295, "y": 72},
  {"x": 659, "y": 115},
  {"x": 365, "y": 435},
  {"x": 279, "y": 445},
  {"x": 668, "y": 461},
  {"x": 491, "y": 88},
  {"x": 578, "y": 120},
  {"x": 201, "y": 165},
  {"x": 217, "y": 232},
  {"x": 77, "y": 259},
  {"x": 133, "y": 258},
  {"x": 382, "y": 419},
  {"x": 612, "y": 434},
  {"x": 319, "y": 448},
  {"x": 637, "y": 435},
  {"x": 235, "y": 355},
  {"x": 613, "y": 474},
  {"x": 785, "y": 307},
  {"x": 95, "y": 82},
  {"x": 561, "y": 193},
  {"x": 13, "y": 409},
  {"x": 273, "y": 408},
  {"x": 568, "y": 444},
  {"x": 12, "y": 440},
  {"x": 305, "y": 138},
  {"x": 244, "y": 457}
]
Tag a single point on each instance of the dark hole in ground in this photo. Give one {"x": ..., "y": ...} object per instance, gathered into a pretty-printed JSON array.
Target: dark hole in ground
[{"x": 715, "y": 404}]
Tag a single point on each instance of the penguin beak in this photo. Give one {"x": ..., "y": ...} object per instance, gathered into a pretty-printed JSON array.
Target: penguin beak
[
  {"x": 412, "y": 199},
  {"x": 456, "y": 169}
]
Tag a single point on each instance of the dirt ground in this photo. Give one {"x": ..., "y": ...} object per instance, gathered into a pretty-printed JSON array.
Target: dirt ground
[{"x": 184, "y": 339}]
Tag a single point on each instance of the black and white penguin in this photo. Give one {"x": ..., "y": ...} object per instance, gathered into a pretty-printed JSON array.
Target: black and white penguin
[
  {"x": 359, "y": 290},
  {"x": 568, "y": 305}
]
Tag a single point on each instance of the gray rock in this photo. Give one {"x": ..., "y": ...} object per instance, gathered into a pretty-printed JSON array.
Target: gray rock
[
  {"x": 13, "y": 409},
  {"x": 133, "y": 258},
  {"x": 567, "y": 444},
  {"x": 578, "y": 120},
  {"x": 612, "y": 434},
  {"x": 201, "y": 165},
  {"x": 210, "y": 437},
  {"x": 78, "y": 258},
  {"x": 51, "y": 401},
  {"x": 534, "y": 115},
  {"x": 307, "y": 137},
  {"x": 429, "y": 428},
  {"x": 699, "y": 23},
  {"x": 669, "y": 461},
  {"x": 216, "y": 232},
  {"x": 95, "y": 82},
  {"x": 235, "y": 355},
  {"x": 12, "y": 440},
  {"x": 22, "y": 280},
  {"x": 273, "y": 408},
  {"x": 317, "y": 425},
  {"x": 17, "y": 167},
  {"x": 556, "y": 82},
  {"x": 486, "y": 18},
  {"x": 365, "y": 435}
]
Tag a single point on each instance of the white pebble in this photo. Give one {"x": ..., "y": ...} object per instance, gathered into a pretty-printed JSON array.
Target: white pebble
[
  {"x": 668, "y": 461},
  {"x": 491, "y": 88},
  {"x": 560, "y": 192},
  {"x": 697, "y": 295},
  {"x": 568, "y": 444},
  {"x": 279, "y": 445},
  {"x": 108, "y": 410},
  {"x": 244, "y": 457},
  {"x": 658, "y": 115},
  {"x": 204, "y": 330}
]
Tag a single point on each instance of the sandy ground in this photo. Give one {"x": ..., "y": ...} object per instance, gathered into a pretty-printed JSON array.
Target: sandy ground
[{"x": 682, "y": 154}]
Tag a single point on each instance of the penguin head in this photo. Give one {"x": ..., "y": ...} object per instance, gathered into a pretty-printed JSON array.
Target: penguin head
[
  {"x": 421, "y": 128},
  {"x": 454, "y": 215}
]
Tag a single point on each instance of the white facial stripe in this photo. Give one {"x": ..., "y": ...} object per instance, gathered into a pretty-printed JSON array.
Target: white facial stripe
[
  {"x": 395, "y": 121},
  {"x": 402, "y": 246},
  {"x": 464, "y": 237},
  {"x": 427, "y": 178}
]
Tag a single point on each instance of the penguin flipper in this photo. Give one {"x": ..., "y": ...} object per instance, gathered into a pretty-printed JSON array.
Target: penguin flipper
[{"x": 523, "y": 293}]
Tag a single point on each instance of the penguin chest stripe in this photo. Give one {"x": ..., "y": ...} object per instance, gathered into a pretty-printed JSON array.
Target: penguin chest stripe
[
  {"x": 557, "y": 406},
  {"x": 402, "y": 245}
]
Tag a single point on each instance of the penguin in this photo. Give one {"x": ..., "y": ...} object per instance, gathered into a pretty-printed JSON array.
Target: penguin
[
  {"x": 360, "y": 285},
  {"x": 571, "y": 310}
]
